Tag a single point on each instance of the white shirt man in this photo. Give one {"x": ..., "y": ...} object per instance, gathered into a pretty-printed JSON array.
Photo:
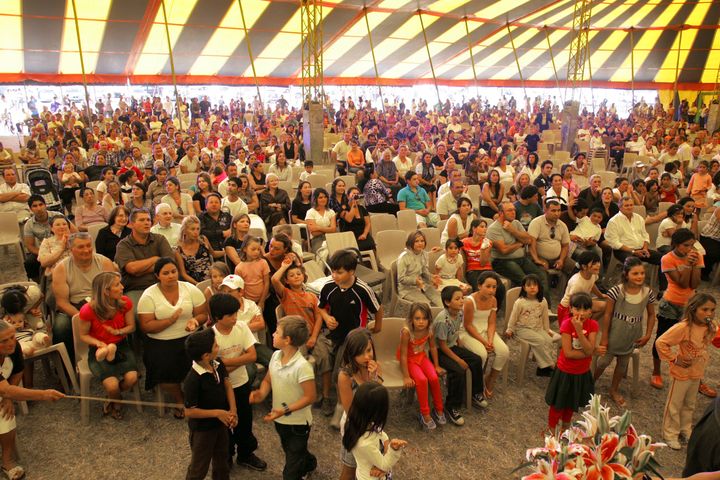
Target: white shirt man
[
  {"x": 447, "y": 203},
  {"x": 14, "y": 195}
]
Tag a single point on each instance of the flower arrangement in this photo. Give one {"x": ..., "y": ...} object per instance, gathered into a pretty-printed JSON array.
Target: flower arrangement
[{"x": 598, "y": 447}]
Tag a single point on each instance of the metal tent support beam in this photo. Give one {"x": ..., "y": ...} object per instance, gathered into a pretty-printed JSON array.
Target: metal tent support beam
[
  {"x": 552, "y": 58},
  {"x": 250, "y": 54},
  {"x": 427, "y": 47},
  {"x": 472, "y": 58},
  {"x": 517, "y": 60},
  {"x": 82, "y": 66},
  {"x": 172, "y": 65},
  {"x": 592, "y": 92},
  {"x": 579, "y": 45},
  {"x": 372, "y": 51},
  {"x": 632, "y": 64},
  {"x": 311, "y": 34},
  {"x": 677, "y": 65}
]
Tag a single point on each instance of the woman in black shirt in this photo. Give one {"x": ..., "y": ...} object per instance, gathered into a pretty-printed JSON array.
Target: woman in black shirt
[{"x": 117, "y": 229}]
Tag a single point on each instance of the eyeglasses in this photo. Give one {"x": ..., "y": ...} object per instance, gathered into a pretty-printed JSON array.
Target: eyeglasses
[{"x": 552, "y": 233}]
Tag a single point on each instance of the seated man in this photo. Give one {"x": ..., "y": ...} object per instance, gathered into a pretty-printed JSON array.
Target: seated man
[
  {"x": 72, "y": 285},
  {"x": 508, "y": 256},
  {"x": 447, "y": 203},
  {"x": 626, "y": 235},
  {"x": 14, "y": 195},
  {"x": 551, "y": 240},
  {"x": 414, "y": 197}
]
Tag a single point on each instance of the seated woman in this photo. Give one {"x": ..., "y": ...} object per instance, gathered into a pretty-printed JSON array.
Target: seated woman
[
  {"x": 357, "y": 220},
  {"x": 273, "y": 199},
  {"x": 302, "y": 203},
  {"x": 248, "y": 194},
  {"x": 203, "y": 188},
  {"x": 88, "y": 211},
  {"x": 108, "y": 237},
  {"x": 281, "y": 168},
  {"x": 105, "y": 324},
  {"x": 113, "y": 197},
  {"x": 458, "y": 225},
  {"x": 355, "y": 157},
  {"x": 193, "y": 253},
  {"x": 168, "y": 312},
  {"x": 180, "y": 203},
  {"x": 54, "y": 248},
  {"x": 257, "y": 177},
  {"x": 320, "y": 219},
  {"x": 165, "y": 226},
  {"x": 239, "y": 228},
  {"x": 138, "y": 200},
  {"x": 378, "y": 198}
]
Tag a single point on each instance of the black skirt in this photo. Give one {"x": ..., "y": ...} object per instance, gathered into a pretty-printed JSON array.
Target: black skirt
[
  {"x": 165, "y": 361},
  {"x": 567, "y": 390}
]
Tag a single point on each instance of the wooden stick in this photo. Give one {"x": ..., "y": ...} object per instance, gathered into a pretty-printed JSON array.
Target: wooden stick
[{"x": 126, "y": 402}]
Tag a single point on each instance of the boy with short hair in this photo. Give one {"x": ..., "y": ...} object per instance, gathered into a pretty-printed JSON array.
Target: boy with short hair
[
  {"x": 236, "y": 349},
  {"x": 209, "y": 407},
  {"x": 292, "y": 381},
  {"x": 309, "y": 165}
]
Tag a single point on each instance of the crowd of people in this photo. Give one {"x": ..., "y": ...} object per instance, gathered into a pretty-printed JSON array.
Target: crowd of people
[{"x": 508, "y": 213}]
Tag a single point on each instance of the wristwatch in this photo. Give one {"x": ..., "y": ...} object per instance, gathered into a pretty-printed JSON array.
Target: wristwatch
[{"x": 286, "y": 409}]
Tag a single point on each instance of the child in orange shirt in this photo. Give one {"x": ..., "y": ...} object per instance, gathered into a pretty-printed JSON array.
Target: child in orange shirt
[
  {"x": 691, "y": 336},
  {"x": 699, "y": 184}
]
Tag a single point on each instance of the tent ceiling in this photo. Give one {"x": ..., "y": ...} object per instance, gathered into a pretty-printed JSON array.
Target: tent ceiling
[{"x": 126, "y": 39}]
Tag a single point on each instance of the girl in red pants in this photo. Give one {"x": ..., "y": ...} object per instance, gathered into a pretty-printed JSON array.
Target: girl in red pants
[
  {"x": 418, "y": 370},
  {"x": 571, "y": 383}
]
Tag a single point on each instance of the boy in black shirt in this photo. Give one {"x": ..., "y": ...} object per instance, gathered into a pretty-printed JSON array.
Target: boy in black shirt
[{"x": 209, "y": 406}]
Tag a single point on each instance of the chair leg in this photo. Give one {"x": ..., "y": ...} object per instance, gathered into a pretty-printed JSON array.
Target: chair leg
[
  {"x": 136, "y": 394},
  {"x": 69, "y": 371},
  {"x": 636, "y": 372},
  {"x": 60, "y": 369},
  {"x": 468, "y": 388},
  {"x": 85, "y": 404},
  {"x": 160, "y": 399},
  {"x": 505, "y": 371}
]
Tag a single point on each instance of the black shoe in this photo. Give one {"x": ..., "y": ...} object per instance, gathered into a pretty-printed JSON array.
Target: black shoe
[
  {"x": 544, "y": 372},
  {"x": 455, "y": 417},
  {"x": 252, "y": 462}
]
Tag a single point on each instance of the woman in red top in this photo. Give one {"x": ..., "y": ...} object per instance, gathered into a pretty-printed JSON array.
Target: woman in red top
[
  {"x": 477, "y": 250},
  {"x": 105, "y": 323}
]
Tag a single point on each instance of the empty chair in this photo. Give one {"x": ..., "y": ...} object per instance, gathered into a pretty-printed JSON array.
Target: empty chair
[
  {"x": 10, "y": 234},
  {"x": 318, "y": 181},
  {"x": 432, "y": 237},
  {"x": 340, "y": 240},
  {"x": 382, "y": 221},
  {"x": 608, "y": 178},
  {"x": 390, "y": 244},
  {"x": 407, "y": 220},
  {"x": 386, "y": 343},
  {"x": 94, "y": 228}
]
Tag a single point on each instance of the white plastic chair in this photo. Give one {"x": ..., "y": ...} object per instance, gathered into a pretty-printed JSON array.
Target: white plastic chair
[
  {"x": 389, "y": 245},
  {"x": 407, "y": 220},
  {"x": 10, "y": 233},
  {"x": 380, "y": 222},
  {"x": 94, "y": 229}
]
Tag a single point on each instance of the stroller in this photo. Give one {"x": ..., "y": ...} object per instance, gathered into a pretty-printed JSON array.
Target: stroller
[{"x": 41, "y": 183}]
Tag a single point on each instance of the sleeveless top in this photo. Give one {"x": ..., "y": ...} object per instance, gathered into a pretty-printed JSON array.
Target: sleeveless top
[
  {"x": 198, "y": 265},
  {"x": 416, "y": 348},
  {"x": 626, "y": 323},
  {"x": 480, "y": 317},
  {"x": 80, "y": 282}
]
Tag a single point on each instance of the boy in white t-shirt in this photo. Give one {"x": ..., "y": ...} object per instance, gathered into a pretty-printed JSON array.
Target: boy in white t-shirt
[
  {"x": 236, "y": 349},
  {"x": 586, "y": 234}
]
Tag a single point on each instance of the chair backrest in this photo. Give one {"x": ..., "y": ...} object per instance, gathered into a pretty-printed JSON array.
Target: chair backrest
[
  {"x": 663, "y": 206},
  {"x": 432, "y": 237},
  {"x": 433, "y": 258},
  {"x": 81, "y": 348},
  {"x": 349, "y": 180},
  {"x": 562, "y": 156},
  {"x": 340, "y": 240},
  {"x": 406, "y": 220},
  {"x": 382, "y": 221},
  {"x": 442, "y": 224},
  {"x": 314, "y": 270},
  {"x": 187, "y": 177},
  {"x": 640, "y": 210},
  {"x": 203, "y": 285},
  {"x": 511, "y": 297},
  {"x": 94, "y": 228},
  {"x": 9, "y": 228},
  {"x": 474, "y": 191},
  {"x": 608, "y": 178},
  {"x": 388, "y": 339},
  {"x": 318, "y": 181},
  {"x": 94, "y": 184},
  {"x": 389, "y": 244},
  {"x": 652, "y": 230}
]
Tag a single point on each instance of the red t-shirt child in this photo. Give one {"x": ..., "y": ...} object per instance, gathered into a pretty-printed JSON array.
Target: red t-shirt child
[
  {"x": 97, "y": 326},
  {"x": 576, "y": 366}
]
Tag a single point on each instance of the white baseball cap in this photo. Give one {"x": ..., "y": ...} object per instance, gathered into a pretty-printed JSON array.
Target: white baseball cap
[{"x": 235, "y": 282}]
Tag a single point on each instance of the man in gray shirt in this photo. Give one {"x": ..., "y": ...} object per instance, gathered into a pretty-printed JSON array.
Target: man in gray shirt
[{"x": 509, "y": 258}]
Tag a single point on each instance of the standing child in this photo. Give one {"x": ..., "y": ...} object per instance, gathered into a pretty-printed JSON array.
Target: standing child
[
  {"x": 289, "y": 285},
  {"x": 479, "y": 334},
  {"x": 450, "y": 267},
  {"x": 70, "y": 182},
  {"x": 209, "y": 407},
  {"x": 454, "y": 358},
  {"x": 418, "y": 370},
  {"x": 236, "y": 349},
  {"x": 691, "y": 336},
  {"x": 589, "y": 263},
  {"x": 700, "y": 184},
  {"x": 622, "y": 330},
  {"x": 530, "y": 321},
  {"x": 218, "y": 271},
  {"x": 291, "y": 379},
  {"x": 364, "y": 437},
  {"x": 571, "y": 384},
  {"x": 254, "y": 271},
  {"x": 357, "y": 366}
]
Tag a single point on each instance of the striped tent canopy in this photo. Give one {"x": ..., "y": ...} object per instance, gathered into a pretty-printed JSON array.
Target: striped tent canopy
[{"x": 125, "y": 40}]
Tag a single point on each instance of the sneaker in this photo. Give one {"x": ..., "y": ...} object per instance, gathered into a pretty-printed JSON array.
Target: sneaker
[
  {"x": 455, "y": 417},
  {"x": 328, "y": 407},
  {"x": 479, "y": 401},
  {"x": 674, "y": 444},
  {"x": 439, "y": 417},
  {"x": 427, "y": 425},
  {"x": 252, "y": 462},
  {"x": 656, "y": 381},
  {"x": 707, "y": 390}
]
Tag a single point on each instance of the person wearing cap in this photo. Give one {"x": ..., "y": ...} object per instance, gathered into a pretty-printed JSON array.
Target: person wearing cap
[{"x": 250, "y": 314}]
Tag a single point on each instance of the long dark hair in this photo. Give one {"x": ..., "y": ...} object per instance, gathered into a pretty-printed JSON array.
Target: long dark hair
[
  {"x": 355, "y": 344},
  {"x": 368, "y": 412}
]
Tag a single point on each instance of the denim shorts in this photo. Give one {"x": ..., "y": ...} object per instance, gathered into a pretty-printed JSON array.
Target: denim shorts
[{"x": 347, "y": 458}]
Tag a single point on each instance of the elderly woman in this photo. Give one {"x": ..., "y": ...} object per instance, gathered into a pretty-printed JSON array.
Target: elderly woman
[
  {"x": 180, "y": 203},
  {"x": 165, "y": 226},
  {"x": 108, "y": 237},
  {"x": 54, "y": 248},
  {"x": 215, "y": 224},
  {"x": 168, "y": 312},
  {"x": 357, "y": 220},
  {"x": 239, "y": 228},
  {"x": 273, "y": 199},
  {"x": 105, "y": 324},
  {"x": 193, "y": 254},
  {"x": 89, "y": 211}
]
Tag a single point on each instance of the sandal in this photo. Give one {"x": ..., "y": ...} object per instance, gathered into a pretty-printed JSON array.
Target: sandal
[
  {"x": 618, "y": 399},
  {"x": 117, "y": 412},
  {"x": 107, "y": 408},
  {"x": 15, "y": 473},
  {"x": 488, "y": 394},
  {"x": 178, "y": 413}
]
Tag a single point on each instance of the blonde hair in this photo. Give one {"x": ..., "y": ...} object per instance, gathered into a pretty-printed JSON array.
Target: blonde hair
[
  {"x": 185, "y": 226},
  {"x": 101, "y": 303}
]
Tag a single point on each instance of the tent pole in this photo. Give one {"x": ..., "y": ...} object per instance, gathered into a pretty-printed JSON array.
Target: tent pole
[
  {"x": 252, "y": 59},
  {"x": 82, "y": 66},
  {"x": 517, "y": 60},
  {"x": 592, "y": 93},
  {"x": 372, "y": 51},
  {"x": 172, "y": 65},
  {"x": 552, "y": 60},
  {"x": 677, "y": 68},
  {"x": 472, "y": 58},
  {"x": 632, "y": 66},
  {"x": 432, "y": 68}
]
